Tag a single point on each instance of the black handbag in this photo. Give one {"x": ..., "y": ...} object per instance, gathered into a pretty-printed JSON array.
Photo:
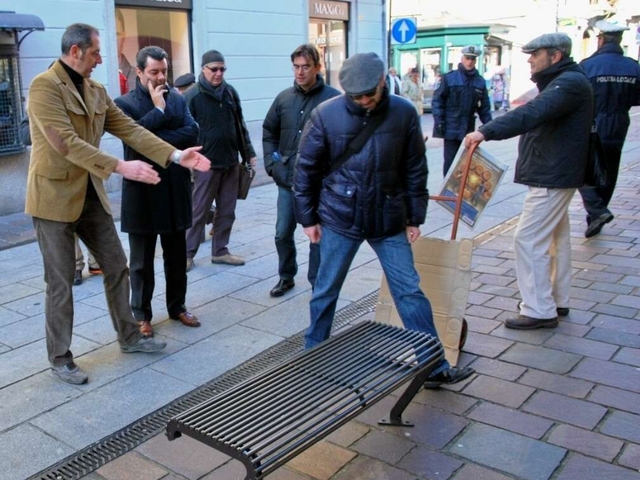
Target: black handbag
[
  {"x": 246, "y": 174},
  {"x": 596, "y": 174}
]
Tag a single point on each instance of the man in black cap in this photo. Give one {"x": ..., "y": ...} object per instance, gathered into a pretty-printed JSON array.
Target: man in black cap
[
  {"x": 552, "y": 159},
  {"x": 184, "y": 82},
  {"x": 461, "y": 94},
  {"x": 282, "y": 129},
  {"x": 375, "y": 192},
  {"x": 616, "y": 88},
  {"x": 215, "y": 105}
]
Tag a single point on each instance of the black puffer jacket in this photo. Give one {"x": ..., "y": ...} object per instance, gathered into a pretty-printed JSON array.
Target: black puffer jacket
[
  {"x": 552, "y": 152},
  {"x": 378, "y": 191},
  {"x": 219, "y": 134},
  {"x": 283, "y": 125}
]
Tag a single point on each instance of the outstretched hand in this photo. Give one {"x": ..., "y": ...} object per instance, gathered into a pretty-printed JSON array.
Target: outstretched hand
[
  {"x": 192, "y": 158},
  {"x": 137, "y": 170}
]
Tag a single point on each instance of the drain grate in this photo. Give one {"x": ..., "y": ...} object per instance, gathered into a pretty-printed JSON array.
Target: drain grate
[{"x": 94, "y": 456}]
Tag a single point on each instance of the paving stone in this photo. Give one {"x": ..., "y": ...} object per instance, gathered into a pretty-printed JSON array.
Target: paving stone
[
  {"x": 623, "y": 425},
  {"x": 591, "y": 295},
  {"x": 429, "y": 464},
  {"x": 25, "y": 451},
  {"x": 499, "y": 391},
  {"x": 363, "y": 468},
  {"x": 615, "y": 398},
  {"x": 581, "y": 317},
  {"x": 497, "y": 280},
  {"x": 8, "y": 317},
  {"x": 627, "y": 301},
  {"x": 482, "y": 311},
  {"x": 509, "y": 419},
  {"x": 581, "y": 346},
  {"x": 485, "y": 345},
  {"x": 631, "y": 280},
  {"x": 579, "y": 304},
  {"x": 496, "y": 368},
  {"x": 475, "y": 472},
  {"x": 535, "y": 337},
  {"x": 609, "y": 373},
  {"x": 571, "y": 387},
  {"x": 618, "y": 261},
  {"x": 477, "y": 298},
  {"x": 631, "y": 457},
  {"x": 515, "y": 454},
  {"x": 481, "y": 325},
  {"x": 584, "y": 468},
  {"x": 15, "y": 291},
  {"x": 599, "y": 276},
  {"x": 612, "y": 287},
  {"x": 565, "y": 409},
  {"x": 322, "y": 460},
  {"x": 383, "y": 446},
  {"x": 586, "y": 442},
  {"x": 567, "y": 328},
  {"x": 614, "y": 337},
  {"x": 497, "y": 290},
  {"x": 541, "y": 358},
  {"x": 613, "y": 311},
  {"x": 445, "y": 400},
  {"x": 235, "y": 470},
  {"x": 131, "y": 466},
  {"x": 630, "y": 356},
  {"x": 348, "y": 434}
]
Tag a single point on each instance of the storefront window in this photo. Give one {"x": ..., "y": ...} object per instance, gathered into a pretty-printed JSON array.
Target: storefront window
[
  {"x": 137, "y": 28},
  {"x": 330, "y": 38},
  {"x": 10, "y": 107}
]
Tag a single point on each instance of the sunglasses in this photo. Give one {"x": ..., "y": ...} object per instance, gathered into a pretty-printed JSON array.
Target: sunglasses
[
  {"x": 217, "y": 69},
  {"x": 370, "y": 94}
]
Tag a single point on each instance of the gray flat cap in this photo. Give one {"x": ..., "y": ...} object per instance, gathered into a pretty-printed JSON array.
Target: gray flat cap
[
  {"x": 470, "y": 51},
  {"x": 557, "y": 40},
  {"x": 184, "y": 80},
  {"x": 361, "y": 73},
  {"x": 610, "y": 28}
]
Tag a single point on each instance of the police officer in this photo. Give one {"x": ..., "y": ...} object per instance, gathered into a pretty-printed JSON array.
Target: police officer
[
  {"x": 616, "y": 87},
  {"x": 461, "y": 94}
]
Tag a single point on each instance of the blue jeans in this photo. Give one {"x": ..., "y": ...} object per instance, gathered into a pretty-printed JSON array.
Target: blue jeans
[
  {"x": 396, "y": 258},
  {"x": 285, "y": 241}
]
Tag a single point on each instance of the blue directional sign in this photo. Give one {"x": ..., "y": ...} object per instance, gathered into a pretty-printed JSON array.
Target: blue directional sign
[{"x": 403, "y": 31}]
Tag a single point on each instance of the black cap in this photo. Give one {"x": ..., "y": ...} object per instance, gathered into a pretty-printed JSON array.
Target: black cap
[{"x": 184, "y": 80}]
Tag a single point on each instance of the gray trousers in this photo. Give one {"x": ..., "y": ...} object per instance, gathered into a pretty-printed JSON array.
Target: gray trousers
[{"x": 57, "y": 244}]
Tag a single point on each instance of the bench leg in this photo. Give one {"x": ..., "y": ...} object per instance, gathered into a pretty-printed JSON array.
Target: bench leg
[{"x": 395, "y": 416}]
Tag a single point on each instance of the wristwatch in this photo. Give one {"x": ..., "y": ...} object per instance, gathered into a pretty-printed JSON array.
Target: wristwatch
[{"x": 175, "y": 156}]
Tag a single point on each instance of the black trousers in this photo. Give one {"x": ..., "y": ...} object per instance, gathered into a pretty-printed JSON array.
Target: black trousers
[
  {"x": 174, "y": 254},
  {"x": 450, "y": 150},
  {"x": 596, "y": 200}
]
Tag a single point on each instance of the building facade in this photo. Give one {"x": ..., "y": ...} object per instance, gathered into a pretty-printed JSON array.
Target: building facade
[{"x": 255, "y": 36}]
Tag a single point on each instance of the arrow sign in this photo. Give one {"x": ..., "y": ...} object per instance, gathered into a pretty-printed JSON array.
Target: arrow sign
[{"x": 403, "y": 31}]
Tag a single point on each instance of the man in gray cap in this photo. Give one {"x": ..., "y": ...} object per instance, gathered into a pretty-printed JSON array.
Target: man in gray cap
[
  {"x": 552, "y": 158},
  {"x": 361, "y": 175},
  {"x": 461, "y": 94},
  {"x": 215, "y": 105},
  {"x": 616, "y": 88},
  {"x": 184, "y": 82}
]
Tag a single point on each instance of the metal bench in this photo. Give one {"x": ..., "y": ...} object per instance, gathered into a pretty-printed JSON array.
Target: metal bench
[{"x": 269, "y": 419}]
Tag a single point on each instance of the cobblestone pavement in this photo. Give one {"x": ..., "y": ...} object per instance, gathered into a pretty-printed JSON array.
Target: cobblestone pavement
[{"x": 557, "y": 404}]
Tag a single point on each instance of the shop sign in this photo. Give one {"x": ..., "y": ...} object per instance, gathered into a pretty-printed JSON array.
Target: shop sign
[
  {"x": 328, "y": 10},
  {"x": 179, "y": 4}
]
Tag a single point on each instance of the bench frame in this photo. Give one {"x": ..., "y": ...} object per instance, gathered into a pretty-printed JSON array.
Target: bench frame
[{"x": 271, "y": 418}]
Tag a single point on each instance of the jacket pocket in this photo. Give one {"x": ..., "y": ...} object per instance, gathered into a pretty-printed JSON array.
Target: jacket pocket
[
  {"x": 52, "y": 173},
  {"x": 338, "y": 205},
  {"x": 281, "y": 175},
  {"x": 394, "y": 213}
]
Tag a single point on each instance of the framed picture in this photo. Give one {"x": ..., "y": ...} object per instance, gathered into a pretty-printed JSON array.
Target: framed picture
[{"x": 485, "y": 174}]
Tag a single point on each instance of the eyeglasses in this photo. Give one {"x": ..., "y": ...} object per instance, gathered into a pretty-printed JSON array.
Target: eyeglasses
[
  {"x": 305, "y": 68},
  {"x": 370, "y": 94},
  {"x": 217, "y": 69}
]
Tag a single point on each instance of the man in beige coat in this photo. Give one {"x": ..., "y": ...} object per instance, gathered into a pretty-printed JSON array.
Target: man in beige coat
[{"x": 66, "y": 196}]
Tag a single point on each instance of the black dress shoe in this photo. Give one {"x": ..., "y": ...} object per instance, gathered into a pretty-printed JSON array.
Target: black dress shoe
[
  {"x": 522, "y": 322},
  {"x": 448, "y": 377},
  {"x": 597, "y": 223},
  {"x": 282, "y": 287}
]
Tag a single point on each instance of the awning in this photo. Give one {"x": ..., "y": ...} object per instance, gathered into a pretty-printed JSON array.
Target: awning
[{"x": 17, "y": 22}]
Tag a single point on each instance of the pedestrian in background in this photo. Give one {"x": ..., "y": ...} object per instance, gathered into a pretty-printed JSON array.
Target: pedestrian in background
[
  {"x": 461, "y": 95},
  {"x": 552, "y": 159},
  {"x": 215, "y": 105},
  {"x": 376, "y": 194},
  {"x": 281, "y": 132},
  {"x": 68, "y": 115},
  {"x": 163, "y": 209},
  {"x": 412, "y": 90},
  {"x": 616, "y": 88},
  {"x": 394, "y": 84}
]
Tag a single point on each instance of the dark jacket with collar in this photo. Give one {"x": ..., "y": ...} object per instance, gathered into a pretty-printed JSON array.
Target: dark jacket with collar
[
  {"x": 460, "y": 95},
  {"x": 283, "y": 126},
  {"x": 220, "y": 136},
  {"x": 555, "y": 126},
  {"x": 380, "y": 190},
  {"x": 615, "y": 80},
  {"x": 165, "y": 207}
]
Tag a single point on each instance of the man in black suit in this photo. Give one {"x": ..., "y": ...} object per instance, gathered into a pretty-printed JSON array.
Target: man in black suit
[{"x": 165, "y": 208}]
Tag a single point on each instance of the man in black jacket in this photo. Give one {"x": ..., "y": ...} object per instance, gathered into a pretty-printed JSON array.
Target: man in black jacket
[
  {"x": 378, "y": 194},
  {"x": 281, "y": 133},
  {"x": 163, "y": 209},
  {"x": 215, "y": 105},
  {"x": 552, "y": 158}
]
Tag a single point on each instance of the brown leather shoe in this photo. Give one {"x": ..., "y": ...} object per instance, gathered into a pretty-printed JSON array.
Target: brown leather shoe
[
  {"x": 188, "y": 319},
  {"x": 146, "y": 330}
]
